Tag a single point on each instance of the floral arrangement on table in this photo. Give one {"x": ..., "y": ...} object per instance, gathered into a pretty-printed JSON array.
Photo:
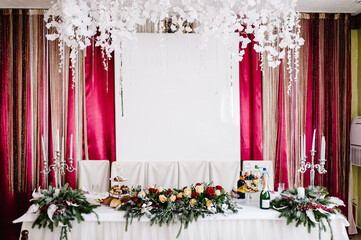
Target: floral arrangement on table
[
  {"x": 310, "y": 207},
  {"x": 59, "y": 207},
  {"x": 165, "y": 206}
]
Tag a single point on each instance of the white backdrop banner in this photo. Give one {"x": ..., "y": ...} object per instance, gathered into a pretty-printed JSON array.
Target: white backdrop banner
[{"x": 181, "y": 102}]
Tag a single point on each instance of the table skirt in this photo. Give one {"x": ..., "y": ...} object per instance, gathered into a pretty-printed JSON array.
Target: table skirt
[{"x": 208, "y": 228}]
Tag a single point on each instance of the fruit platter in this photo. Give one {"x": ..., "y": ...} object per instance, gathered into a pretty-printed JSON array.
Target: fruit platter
[{"x": 249, "y": 183}]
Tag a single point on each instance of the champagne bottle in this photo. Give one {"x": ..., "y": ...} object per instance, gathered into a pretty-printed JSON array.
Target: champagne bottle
[{"x": 265, "y": 197}]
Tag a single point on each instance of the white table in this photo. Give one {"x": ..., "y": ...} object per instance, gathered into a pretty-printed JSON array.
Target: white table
[{"x": 250, "y": 222}]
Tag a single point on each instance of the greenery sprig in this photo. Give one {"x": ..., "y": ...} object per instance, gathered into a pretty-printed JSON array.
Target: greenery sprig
[
  {"x": 310, "y": 207},
  {"x": 166, "y": 206},
  {"x": 59, "y": 207}
]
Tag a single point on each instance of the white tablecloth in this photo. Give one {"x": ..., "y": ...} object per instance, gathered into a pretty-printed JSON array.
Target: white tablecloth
[{"x": 250, "y": 222}]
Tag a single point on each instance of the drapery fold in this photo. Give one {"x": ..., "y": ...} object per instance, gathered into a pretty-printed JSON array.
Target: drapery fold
[
  {"x": 16, "y": 146},
  {"x": 250, "y": 99},
  {"x": 325, "y": 102}
]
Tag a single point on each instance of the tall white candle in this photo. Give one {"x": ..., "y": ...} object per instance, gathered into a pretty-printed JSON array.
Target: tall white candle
[
  {"x": 304, "y": 145},
  {"x": 323, "y": 148},
  {"x": 62, "y": 148},
  {"x": 58, "y": 140},
  {"x": 43, "y": 145},
  {"x": 71, "y": 146},
  {"x": 313, "y": 140}
]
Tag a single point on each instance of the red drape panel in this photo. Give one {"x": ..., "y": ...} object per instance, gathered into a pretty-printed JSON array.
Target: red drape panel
[
  {"x": 328, "y": 96},
  {"x": 15, "y": 120},
  {"x": 250, "y": 94},
  {"x": 281, "y": 162},
  {"x": 100, "y": 109}
]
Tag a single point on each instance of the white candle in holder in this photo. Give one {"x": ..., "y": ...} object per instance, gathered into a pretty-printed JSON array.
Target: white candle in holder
[
  {"x": 71, "y": 146},
  {"x": 313, "y": 140},
  {"x": 304, "y": 145},
  {"x": 58, "y": 140},
  {"x": 43, "y": 145},
  {"x": 323, "y": 148},
  {"x": 302, "y": 148},
  {"x": 62, "y": 149}
]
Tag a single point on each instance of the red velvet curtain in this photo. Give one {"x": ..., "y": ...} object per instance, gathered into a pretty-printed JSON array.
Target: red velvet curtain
[
  {"x": 328, "y": 95},
  {"x": 250, "y": 99},
  {"x": 15, "y": 119},
  {"x": 100, "y": 109}
]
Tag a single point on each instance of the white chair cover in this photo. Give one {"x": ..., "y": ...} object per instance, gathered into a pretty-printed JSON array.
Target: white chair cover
[
  {"x": 163, "y": 174},
  {"x": 192, "y": 172},
  {"x": 94, "y": 172},
  {"x": 135, "y": 171},
  {"x": 225, "y": 173}
]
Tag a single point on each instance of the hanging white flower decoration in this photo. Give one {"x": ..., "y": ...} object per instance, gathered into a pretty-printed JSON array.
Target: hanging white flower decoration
[{"x": 274, "y": 25}]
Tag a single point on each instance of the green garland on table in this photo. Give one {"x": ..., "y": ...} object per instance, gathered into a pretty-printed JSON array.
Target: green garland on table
[
  {"x": 59, "y": 207},
  {"x": 166, "y": 206},
  {"x": 310, "y": 207}
]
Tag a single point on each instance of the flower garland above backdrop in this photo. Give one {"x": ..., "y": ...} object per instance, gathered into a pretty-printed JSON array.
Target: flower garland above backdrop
[{"x": 274, "y": 24}]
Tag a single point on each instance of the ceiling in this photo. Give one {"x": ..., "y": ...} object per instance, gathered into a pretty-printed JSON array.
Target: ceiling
[{"x": 325, "y": 6}]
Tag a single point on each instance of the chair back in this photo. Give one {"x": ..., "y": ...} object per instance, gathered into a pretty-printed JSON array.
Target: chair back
[{"x": 94, "y": 175}]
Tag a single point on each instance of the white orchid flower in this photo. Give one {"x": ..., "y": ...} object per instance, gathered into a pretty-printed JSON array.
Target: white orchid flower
[
  {"x": 311, "y": 216},
  {"x": 34, "y": 208},
  {"x": 36, "y": 195},
  {"x": 51, "y": 210},
  {"x": 337, "y": 201},
  {"x": 72, "y": 204},
  {"x": 57, "y": 191}
]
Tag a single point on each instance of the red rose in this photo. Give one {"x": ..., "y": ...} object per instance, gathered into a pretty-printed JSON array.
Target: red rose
[
  {"x": 134, "y": 199},
  {"x": 210, "y": 191},
  {"x": 152, "y": 190},
  {"x": 194, "y": 195},
  {"x": 169, "y": 192},
  {"x": 219, "y": 187},
  {"x": 198, "y": 184},
  {"x": 185, "y": 187}
]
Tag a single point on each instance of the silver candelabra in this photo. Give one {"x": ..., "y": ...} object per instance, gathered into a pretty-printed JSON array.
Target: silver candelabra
[
  {"x": 59, "y": 166},
  {"x": 320, "y": 167}
]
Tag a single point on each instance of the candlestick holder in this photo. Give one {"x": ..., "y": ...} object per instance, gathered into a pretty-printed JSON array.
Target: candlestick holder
[
  {"x": 59, "y": 167},
  {"x": 320, "y": 167}
]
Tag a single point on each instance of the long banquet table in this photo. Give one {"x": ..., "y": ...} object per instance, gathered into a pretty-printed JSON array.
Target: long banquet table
[{"x": 250, "y": 222}]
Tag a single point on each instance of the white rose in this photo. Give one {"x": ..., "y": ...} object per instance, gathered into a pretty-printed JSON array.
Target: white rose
[
  {"x": 199, "y": 189},
  {"x": 217, "y": 192},
  {"x": 300, "y": 192},
  {"x": 160, "y": 189}
]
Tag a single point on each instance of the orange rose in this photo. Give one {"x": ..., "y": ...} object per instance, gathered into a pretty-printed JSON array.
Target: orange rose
[
  {"x": 209, "y": 203},
  {"x": 180, "y": 195},
  {"x": 188, "y": 192},
  {"x": 160, "y": 189},
  {"x": 172, "y": 198},
  {"x": 192, "y": 202},
  {"x": 162, "y": 198},
  {"x": 141, "y": 193}
]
